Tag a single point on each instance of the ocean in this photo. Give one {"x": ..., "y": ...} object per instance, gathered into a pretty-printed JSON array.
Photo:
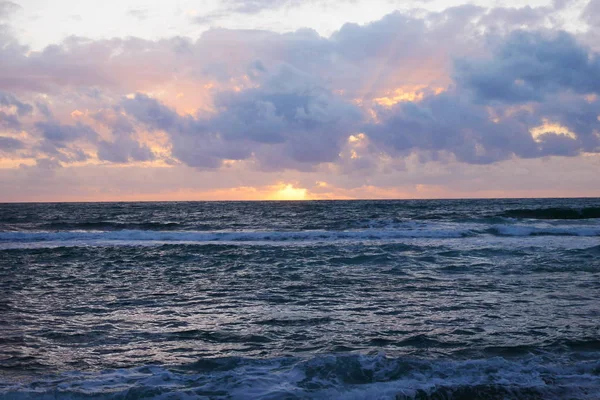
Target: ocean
[{"x": 423, "y": 299}]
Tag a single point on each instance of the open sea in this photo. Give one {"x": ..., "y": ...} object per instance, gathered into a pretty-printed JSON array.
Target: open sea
[{"x": 427, "y": 299}]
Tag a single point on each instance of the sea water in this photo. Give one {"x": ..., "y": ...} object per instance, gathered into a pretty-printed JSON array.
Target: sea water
[{"x": 439, "y": 299}]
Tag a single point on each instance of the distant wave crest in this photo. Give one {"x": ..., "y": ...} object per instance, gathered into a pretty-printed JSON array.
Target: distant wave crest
[
  {"x": 425, "y": 231},
  {"x": 554, "y": 213}
]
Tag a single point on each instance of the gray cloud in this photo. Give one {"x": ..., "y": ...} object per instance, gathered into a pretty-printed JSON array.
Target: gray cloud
[
  {"x": 8, "y": 99},
  {"x": 288, "y": 114},
  {"x": 124, "y": 147},
  {"x": 248, "y": 7},
  {"x": 123, "y": 150},
  {"x": 57, "y": 141},
  {"x": 450, "y": 122},
  {"x": 61, "y": 135},
  {"x": 137, "y": 13},
  {"x": 10, "y": 120},
  {"x": 529, "y": 66},
  {"x": 286, "y": 123},
  {"x": 256, "y": 6},
  {"x": 7, "y": 8},
  {"x": 548, "y": 72},
  {"x": 302, "y": 95},
  {"x": 591, "y": 13},
  {"x": 9, "y": 144}
]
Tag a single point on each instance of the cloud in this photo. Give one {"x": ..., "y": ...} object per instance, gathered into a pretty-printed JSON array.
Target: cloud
[
  {"x": 140, "y": 14},
  {"x": 8, "y": 99},
  {"x": 450, "y": 123},
  {"x": 292, "y": 109},
  {"x": 8, "y": 144},
  {"x": 288, "y": 120},
  {"x": 11, "y": 109},
  {"x": 460, "y": 84},
  {"x": 398, "y": 49},
  {"x": 59, "y": 142},
  {"x": 591, "y": 13},
  {"x": 61, "y": 135},
  {"x": 530, "y": 66},
  {"x": 124, "y": 147},
  {"x": 247, "y": 7},
  {"x": 529, "y": 99},
  {"x": 83, "y": 64},
  {"x": 123, "y": 150},
  {"x": 256, "y": 6},
  {"x": 7, "y": 8}
]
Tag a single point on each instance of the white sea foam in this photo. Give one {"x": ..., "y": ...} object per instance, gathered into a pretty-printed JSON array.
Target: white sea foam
[
  {"x": 232, "y": 236},
  {"x": 399, "y": 231},
  {"x": 328, "y": 377}
]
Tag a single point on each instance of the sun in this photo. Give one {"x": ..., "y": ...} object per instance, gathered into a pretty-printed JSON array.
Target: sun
[{"x": 288, "y": 192}]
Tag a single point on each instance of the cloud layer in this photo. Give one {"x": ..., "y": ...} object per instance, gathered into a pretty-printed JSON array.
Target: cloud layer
[{"x": 466, "y": 85}]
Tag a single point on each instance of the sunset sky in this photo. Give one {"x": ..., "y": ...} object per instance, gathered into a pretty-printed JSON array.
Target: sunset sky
[{"x": 291, "y": 99}]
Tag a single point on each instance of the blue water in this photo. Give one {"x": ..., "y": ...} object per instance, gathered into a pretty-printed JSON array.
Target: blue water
[{"x": 453, "y": 299}]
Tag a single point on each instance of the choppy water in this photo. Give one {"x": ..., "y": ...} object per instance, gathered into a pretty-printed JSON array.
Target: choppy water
[{"x": 459, "y": 299}]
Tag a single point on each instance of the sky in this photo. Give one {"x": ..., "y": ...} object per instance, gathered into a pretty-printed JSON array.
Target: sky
[{"x": 135, "y": 100}]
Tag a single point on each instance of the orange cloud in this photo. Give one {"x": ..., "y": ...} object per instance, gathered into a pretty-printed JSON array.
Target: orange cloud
[{"x": 403, "y": 94}]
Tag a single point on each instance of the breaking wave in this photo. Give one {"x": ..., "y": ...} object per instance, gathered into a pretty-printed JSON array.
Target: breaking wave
[
  {"x": 328, "y": 377},
  {"x": 432, "y": 232}
]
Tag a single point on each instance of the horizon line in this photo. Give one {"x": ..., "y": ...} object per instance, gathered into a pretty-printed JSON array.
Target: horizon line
[{"x": 296, "y": 201}]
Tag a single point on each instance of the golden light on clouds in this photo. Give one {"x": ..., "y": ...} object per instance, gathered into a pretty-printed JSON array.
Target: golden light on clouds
[
  {"x": 405, "y": 94},
  {"x": 76, "y": 114},
  {"x": 550, "y": 127},
  {"x": 356, "y": 138}
]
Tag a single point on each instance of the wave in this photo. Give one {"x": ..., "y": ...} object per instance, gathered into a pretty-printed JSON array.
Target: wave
[
  {"x": 112, "y": 226},
  {"x": 554, "y": 213},
  {"x": 426, "y": 232},
  {"x": 528, "y": 230},
  {"x": 238, "y": 236},
  {"x": 328, "y": 377}
]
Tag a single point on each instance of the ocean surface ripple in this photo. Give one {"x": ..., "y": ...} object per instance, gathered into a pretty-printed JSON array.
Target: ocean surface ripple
[{"x": 444, "y": 299}]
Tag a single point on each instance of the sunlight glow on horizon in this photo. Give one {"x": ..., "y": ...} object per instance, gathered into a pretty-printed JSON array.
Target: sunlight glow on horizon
[{"x": 289, "y": 192}]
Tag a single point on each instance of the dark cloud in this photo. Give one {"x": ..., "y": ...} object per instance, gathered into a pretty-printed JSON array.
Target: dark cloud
[
  {"x": 450, "y": 123},
  {"x": 10, "y": 119},
  {"x": 476, "y": 120},
  {"x": 123, "y": 150},
  {"x": 8, "y": 100},
  {"x": 290, "y": 101},
  {"x": 577, "y": 115},
  {"x": 288, "y": 113},
  {"x": 61, "y": 135},
  {"x": 290, "y": 119},
  {"x": 58, "y": 141},
  {"x": 9, "y": 144},
  {"x": 124, "y": 147},
  {"x": 44, "y": 109},
  {"x": 529, "y": 66}
]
